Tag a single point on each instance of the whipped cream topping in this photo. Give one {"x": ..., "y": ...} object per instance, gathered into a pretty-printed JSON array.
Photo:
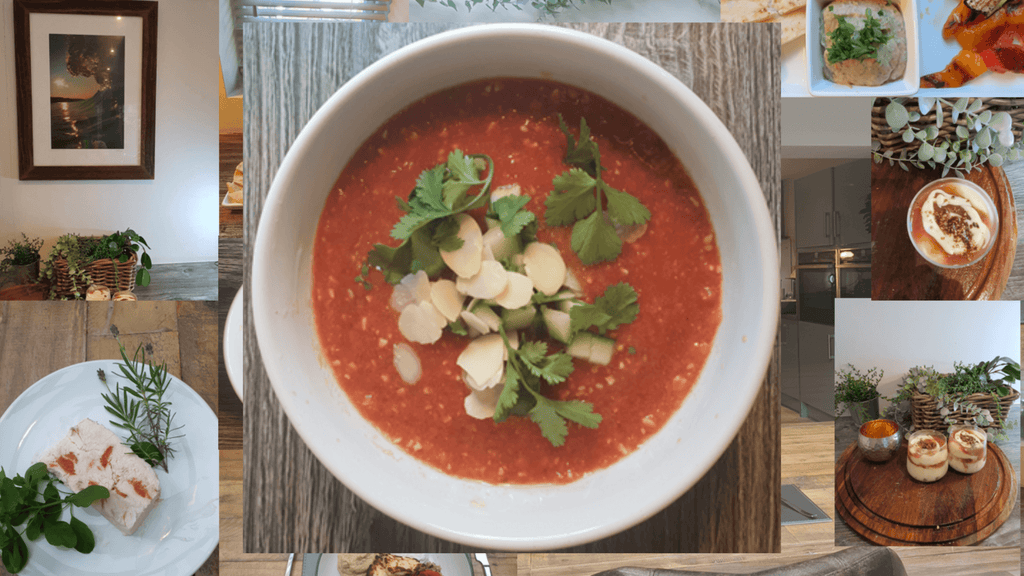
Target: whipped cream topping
[{"x": 955, "y": 220}]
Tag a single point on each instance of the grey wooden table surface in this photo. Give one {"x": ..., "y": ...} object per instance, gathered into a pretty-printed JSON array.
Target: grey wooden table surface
[
  {"x": 1015, "y": 285},
  {"x": 291, "y": 503},
  {"x": 1007, "y": 535}
]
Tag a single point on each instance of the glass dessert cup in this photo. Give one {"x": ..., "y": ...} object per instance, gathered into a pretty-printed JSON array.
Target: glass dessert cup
[
  {"x": 968, "y": 446},
  {"x": 927, "y": 456},
  {"x": 879, "y": 440},
  {"x": 922, "y": 213}
]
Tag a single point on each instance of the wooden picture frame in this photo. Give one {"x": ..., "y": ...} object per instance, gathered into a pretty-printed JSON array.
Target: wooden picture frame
[{"x": 83, "y": 122}]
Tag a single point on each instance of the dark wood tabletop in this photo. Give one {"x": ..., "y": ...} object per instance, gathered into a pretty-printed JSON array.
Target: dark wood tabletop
[
  {"x": 1006, "y": 535},
  {"x": 39, "y": 338},
  {"x": 291, "y": 503},
  {"x": 229, "y": 271}
]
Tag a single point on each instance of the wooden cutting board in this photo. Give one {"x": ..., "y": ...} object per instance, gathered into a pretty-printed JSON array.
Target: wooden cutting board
[
  {"x": 881, "y": 502},
  {"x": 898, "y": 272}
]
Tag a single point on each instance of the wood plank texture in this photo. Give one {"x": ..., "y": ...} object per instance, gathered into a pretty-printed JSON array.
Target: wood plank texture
[
  {"x": 808, "y": 463},
  {"x": 38, "y": 338},
  {"x": 190, "y": 281},
  {"x": 230, "y": 281},
  {"x": 291, "y": 501},
  {"x": 898, "y": 272}
]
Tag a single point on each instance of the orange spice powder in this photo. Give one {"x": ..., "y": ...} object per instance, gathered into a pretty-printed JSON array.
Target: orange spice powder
[{"x": 878, "y": 429}]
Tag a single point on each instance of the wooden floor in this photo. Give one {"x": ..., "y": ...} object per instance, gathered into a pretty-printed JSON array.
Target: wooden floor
[{"x": 807, "y": 463}]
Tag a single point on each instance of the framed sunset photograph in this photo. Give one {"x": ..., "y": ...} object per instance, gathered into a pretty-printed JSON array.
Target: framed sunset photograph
[{"x": 86, "y": 89}]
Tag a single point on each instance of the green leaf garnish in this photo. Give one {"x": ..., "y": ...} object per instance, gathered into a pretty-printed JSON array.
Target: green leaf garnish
[
  {"x": 510, "y": 213},
  {"x": 849, "y": 44},
  {"x": 428, "y": 225},
  {"x": 581, "y": 197},
  {"x": 618, "y": 305},
  {"x": 525, "y": 369}
]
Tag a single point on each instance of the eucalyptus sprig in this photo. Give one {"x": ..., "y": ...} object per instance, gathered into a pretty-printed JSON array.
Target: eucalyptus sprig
[
  {"x": 547, "y": 7},
  {"x": 140, "y": 408},
  {"x": 986, "y": 138},
  {"x": 19, "y": 504}
]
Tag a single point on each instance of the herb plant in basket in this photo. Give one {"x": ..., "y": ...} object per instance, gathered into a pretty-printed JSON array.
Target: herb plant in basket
[
  {"x": 75, "y": 262},
  {"x": 19, "y": 260},
  {"x": 858, "y": 392},
  {"x": 979, "y": 394}
]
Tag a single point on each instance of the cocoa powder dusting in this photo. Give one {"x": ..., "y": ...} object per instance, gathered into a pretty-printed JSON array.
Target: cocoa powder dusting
[{"x": 954, "y": 221}]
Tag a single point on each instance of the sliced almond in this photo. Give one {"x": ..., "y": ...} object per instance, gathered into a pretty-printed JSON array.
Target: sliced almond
[
  {"x": 413, "y": 288},
  {"x": 418, "y": 323},
  {"x": 407, "y": 363},
  {"x": 544, "y": 266},
  {"x": 466, "y": 260},
  {"x": 474, "y": 322},
  {"x": 518, "y": 292},
  {"x": 447, "y": 299},
  {"x": 488, "y": 283},
  {"x": 483, "y": 358},
  {"x": 573, "y": 283},
  {"x": 506, "y": 190},
  {"x": 500, "y": 246},
  {"x": 480, "y": 404}
]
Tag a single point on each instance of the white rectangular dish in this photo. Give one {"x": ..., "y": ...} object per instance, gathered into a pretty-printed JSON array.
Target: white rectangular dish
[{"x": 820, "y": 86}]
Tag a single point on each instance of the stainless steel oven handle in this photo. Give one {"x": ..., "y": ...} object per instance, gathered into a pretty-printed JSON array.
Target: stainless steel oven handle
[{"x": 831, "y": 346}]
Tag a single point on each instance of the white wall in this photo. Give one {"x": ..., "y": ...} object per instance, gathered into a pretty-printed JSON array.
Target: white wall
[
  {"x": 826, "y": 127},
  {"x": 177, "y": 212},
  {"x": 898, "y": 335}
]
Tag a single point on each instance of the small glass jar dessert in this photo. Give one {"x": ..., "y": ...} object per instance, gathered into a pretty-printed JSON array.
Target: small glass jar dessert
[
  {"x": 968, "y": 446},
  {"x": 97, "y": 292},
  {"x": 953, "y": 223},
  {"x": 927, "y": 456}
]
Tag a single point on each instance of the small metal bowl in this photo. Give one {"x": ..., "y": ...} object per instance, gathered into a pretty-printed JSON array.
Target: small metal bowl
[{"x": 879, "y": 449}]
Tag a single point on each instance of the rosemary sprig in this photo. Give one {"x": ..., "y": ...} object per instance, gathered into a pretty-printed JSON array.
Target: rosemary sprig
[{"x": 140, "y": 408}]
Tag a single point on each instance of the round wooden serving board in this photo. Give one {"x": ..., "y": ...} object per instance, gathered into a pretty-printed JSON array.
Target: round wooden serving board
[
  {"x": 881, "y": 502},
  {"x": 898, "y": 272}
]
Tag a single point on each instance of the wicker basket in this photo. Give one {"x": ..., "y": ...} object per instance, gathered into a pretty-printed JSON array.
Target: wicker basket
[
  {"x": 925, "y": 414},
  {"x": 98, "y": 272},
  {"x": 893, "y": 141}
]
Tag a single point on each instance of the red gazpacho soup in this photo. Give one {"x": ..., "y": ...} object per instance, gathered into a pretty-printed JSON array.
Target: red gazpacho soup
[{"x": 549, "y": 353}]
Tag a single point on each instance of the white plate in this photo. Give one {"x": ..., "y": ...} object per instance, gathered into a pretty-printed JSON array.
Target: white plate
[
  {"x": 820, "y": 86},
  {"x": 451, "y": 564},
  {"x": 233, "y": 350},
  {"x": 181, "y": 531},
  {"x": 937, "y": 53},
  {"x": 232, "y": 205}
]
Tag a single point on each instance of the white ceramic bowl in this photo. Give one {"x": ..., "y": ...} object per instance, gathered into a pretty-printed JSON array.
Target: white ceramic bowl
[
  {"x": 515, "y": 517},
  {"x": 818, "y": 85}
]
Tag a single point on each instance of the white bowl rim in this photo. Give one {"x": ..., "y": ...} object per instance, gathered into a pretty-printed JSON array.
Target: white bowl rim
[{"x": 717, "y": 136}]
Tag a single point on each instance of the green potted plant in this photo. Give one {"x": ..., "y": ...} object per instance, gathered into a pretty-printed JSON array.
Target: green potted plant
[
  {"x": 857, "y": 392},
  {"x": 979, "y": 394},
  {"x": 75, "y": 262},
  {"x": 19, "y": 261}
]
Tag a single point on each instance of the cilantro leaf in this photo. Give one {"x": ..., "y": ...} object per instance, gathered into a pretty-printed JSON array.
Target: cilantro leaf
[
  {"x": 552, "y": 425},
  {"x": 533, "y": 351},
  {"x": 849, "y": 44},
  {"x": 427, "y": 226},
  {"x": 579, "y": 197},
  {"x": 445, "y": 236},
  {"x": 623, "y": 208},
  {"x": 509, "y": 394},
  {"x": 511, "y": 214},
  {"x": 594, "y": 239},
  {"x": 618, "y": 305},
  {"x": 554, "y": 369},
  {"x": 583, "y": 153},
  {"x": 571, "y": 199}
]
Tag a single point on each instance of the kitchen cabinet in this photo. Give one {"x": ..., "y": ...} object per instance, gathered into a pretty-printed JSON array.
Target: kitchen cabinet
[
  {"x": 833, "y": 206},
  {"x": 851, "y": 202},
  {"x": 817, "y": 369},
  {"x": 790, "y": 365}
]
